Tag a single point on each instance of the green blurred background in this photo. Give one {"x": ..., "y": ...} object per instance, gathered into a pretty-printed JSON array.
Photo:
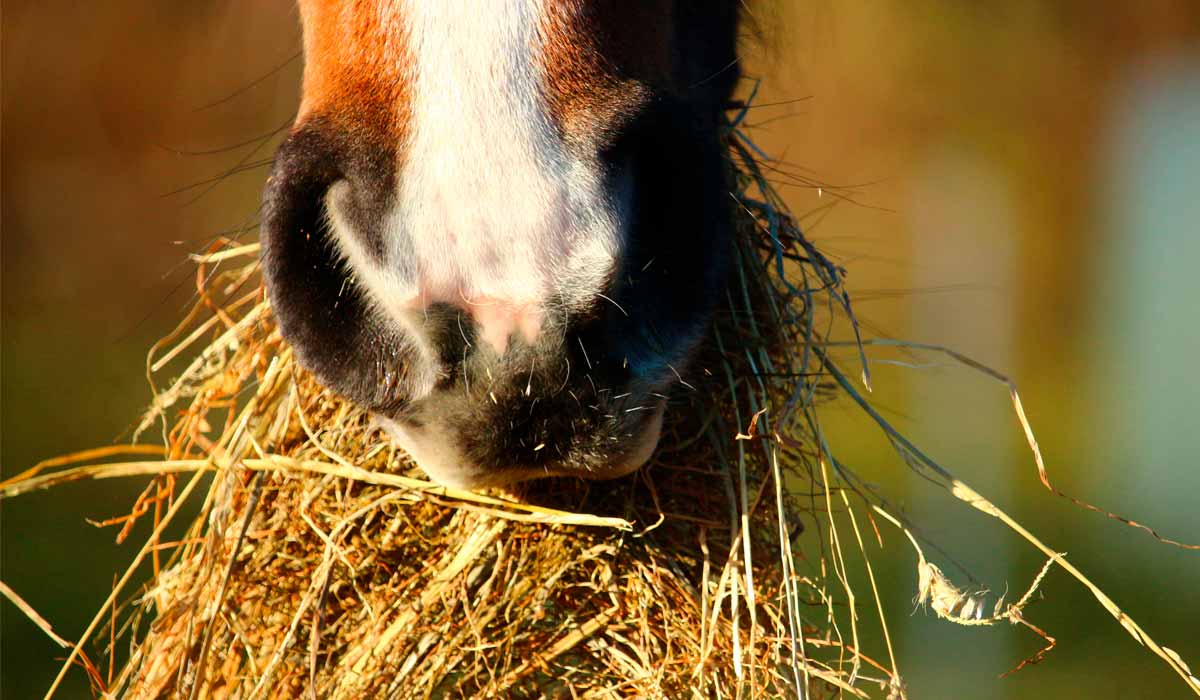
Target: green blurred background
[{"x": 1024, "y": 186}]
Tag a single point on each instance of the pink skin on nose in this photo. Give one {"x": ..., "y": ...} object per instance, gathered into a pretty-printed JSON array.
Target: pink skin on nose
[
  {"x": 472, "y": 273},
  {"x": 497, "y": 320}
]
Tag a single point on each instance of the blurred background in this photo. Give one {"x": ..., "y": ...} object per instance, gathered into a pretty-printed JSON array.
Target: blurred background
[{"x": 1017, "y": 180}]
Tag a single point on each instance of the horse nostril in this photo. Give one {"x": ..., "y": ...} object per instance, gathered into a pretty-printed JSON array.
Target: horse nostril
[{"x": 333, "y": 330}]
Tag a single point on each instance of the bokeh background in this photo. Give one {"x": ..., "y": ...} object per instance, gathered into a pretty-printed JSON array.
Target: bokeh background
[{"x": 1017, "y": 180}]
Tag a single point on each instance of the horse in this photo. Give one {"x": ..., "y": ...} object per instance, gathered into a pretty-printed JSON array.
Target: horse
[{"x": 502, "y": 227}]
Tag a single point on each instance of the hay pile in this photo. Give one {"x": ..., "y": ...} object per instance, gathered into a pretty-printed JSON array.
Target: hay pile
[{"x": 323, "y": 564}]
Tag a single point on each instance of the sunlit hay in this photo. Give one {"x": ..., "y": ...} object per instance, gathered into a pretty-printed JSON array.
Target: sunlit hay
[{"x": 323, "y": 564}]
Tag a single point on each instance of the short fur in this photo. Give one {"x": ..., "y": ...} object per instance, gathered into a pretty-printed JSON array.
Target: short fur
[{"x": 505, "y": 230}]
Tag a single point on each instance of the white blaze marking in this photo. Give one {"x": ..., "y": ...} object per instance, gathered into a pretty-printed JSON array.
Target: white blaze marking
[{"x": 492, "y": 213}]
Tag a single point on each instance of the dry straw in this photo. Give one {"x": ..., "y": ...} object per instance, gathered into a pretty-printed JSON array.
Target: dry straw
[{"x": 319, "y": 563}]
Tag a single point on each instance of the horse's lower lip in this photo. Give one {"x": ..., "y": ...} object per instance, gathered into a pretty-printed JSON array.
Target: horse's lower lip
[
  {"x": 444, "y": 464},
  {"x": 647, "y": 442}
]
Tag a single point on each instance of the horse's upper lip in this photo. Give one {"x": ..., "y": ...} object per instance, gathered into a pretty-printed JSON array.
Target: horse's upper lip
[{"x": 440, "y": 455}]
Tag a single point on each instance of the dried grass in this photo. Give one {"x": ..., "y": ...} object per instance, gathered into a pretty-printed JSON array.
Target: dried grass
[{"x": 322, "y": 564}]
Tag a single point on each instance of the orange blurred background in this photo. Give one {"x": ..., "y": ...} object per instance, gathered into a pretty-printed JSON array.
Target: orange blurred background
[{"x": 1016, "y": 180}]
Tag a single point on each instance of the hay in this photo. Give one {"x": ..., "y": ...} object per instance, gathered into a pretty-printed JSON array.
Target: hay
[{"x": 323, "y": 564}]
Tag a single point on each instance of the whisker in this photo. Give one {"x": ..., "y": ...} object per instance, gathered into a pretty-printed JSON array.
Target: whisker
[
  {"x": 613, "y": 302},
  {"x": 251, "y": 85},
  {"x": 585, "y": 355}
]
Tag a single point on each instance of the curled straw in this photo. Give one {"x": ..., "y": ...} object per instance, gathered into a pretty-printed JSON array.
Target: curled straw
[{"x": 960, "y": 490}]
